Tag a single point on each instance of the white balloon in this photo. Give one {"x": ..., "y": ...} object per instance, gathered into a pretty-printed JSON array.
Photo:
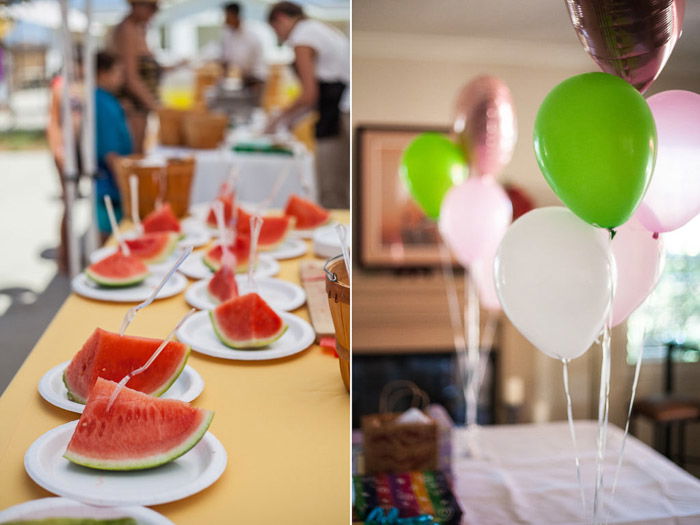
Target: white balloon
[{"x": 554, "y": 275}]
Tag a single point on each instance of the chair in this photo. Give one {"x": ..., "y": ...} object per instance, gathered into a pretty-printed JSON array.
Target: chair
[{"x": 666, "y": 411}]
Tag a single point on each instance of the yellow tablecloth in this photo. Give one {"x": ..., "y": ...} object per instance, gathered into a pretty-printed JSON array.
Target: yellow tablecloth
[{"x": 284, "y": 423}]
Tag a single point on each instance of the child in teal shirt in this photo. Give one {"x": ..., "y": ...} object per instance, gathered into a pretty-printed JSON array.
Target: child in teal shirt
[{"x": 111, "y": 134}]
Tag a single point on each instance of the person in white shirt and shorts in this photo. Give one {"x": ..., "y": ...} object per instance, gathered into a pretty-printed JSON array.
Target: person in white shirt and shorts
[{"x": 322, "y": 63}]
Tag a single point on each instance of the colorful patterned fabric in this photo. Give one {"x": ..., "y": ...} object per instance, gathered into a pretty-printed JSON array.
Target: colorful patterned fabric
[{"x": 413, "y": 494}]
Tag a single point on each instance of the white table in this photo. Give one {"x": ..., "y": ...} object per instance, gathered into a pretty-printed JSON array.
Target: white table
[
  {"x": 526, "y": 474},
  {"x": 258, "y": 173}
]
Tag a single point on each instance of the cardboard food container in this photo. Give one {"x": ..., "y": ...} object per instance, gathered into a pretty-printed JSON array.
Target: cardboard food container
[{"x": 169, "y": 181}]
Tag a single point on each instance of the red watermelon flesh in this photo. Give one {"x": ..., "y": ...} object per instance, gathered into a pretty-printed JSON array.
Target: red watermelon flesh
[
  {"x": 161, "y": 220},
  {"x": 247, "y": 322},
  {"x": 113, "y": 356},
  {"x": 227, "y": 200},
  {"x": 272, "y": 232},
  {"x": 118, "y": 270},
  {"x": 153, "y": 248},
  {"x": 240, "y": 248},
  {"x": 223, "y": 285},
  {"x": 136, "y": 432},
  {"x": 307, "y": 214}
]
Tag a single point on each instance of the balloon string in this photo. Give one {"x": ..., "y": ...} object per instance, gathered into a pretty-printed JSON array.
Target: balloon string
[
  {"x": 460, "y": 343},
  {"x": 603, "y": 405},
  {"x": 635, "y": 382},
  {"x": 572, "y": 429},
  {"x": 487, "y": 345},
  {"x": 473, "y": 356},
  {"x": 453, "y": 307}
]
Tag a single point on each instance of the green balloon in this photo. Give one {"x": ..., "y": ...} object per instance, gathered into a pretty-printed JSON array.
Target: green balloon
[
  {"x": 595, "y": 143},
  {"x": 430, "y": 166}
]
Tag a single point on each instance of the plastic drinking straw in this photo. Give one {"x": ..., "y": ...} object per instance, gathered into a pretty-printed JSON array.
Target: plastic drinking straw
[
  {"x": 342, "y": 232},
  {"x": 148, "y": 363},
  {"x": 131, "y": 313},
  {"x": 134, "y": 193},
  {"x": 220, "y": 223},
  {"x": 113, "y": 224},
  {"x": 276, "y": 187},
  {"x": 256, "y": 222}
]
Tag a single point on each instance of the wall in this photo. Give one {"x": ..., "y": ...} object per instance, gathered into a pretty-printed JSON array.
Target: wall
[{"x": 414, "y": 79}]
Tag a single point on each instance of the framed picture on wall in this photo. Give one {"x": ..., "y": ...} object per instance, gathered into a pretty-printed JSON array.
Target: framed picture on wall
[{"x": 392, "y": 231}]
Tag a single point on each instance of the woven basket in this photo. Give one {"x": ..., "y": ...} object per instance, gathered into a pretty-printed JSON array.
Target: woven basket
[
  {"x": 171, "y": 183},
  {"x": 394, "y": 447},
  {"x": 171, "y": 132},
  {"x": 204, "y": 130},
  {"x": 338, "y": 289}
]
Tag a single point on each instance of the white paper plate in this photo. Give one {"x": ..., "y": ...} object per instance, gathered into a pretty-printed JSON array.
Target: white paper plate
[
  {"x": 280, "y": 295},
  {"x": 187, "y": 475},
  {"x": 199, "y": 334},
  {"x": 39, "y": 509},
  {"x": 194, "y": 268},
  {"x": 308, "y": 234},
  {"x": 133, "y": 294},
  {"x": 326, "y": 242},
  {"x": 289, "y": 248},
  {"x": 186, "y": 387},
  {"x": 196, "y": 233}
]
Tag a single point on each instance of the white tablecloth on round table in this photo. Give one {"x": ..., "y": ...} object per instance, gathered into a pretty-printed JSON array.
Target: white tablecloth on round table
[
  {"x": 258, "y": 173},
  {"x": 526, "y": 474}
]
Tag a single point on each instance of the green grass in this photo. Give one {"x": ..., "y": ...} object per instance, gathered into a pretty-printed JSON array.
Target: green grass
[{"x": 22, "y": 140}]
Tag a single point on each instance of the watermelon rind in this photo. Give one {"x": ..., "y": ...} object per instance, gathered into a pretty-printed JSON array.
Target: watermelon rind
[
  {"x": 157, "y": 393},
  {"x": 215, "y": 265},
  {"x": 146, "y": 462},
  {"x": 248, "y": 344},
  {"x": 116, "y": 283},
  {"x": 167, "y": 250}
]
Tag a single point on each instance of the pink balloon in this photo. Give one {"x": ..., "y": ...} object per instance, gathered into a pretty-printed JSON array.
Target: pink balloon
[
  {"x": 485, "y": 282},
  {"x": 473, "y": 218},
  {"x": 485, "y": 125},
  {"x": 673, "y": 196},
  {"x": 639, "y": 260}
]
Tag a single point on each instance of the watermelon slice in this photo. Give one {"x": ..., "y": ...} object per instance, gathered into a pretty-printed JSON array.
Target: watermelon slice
[
  {"x": 137, "y": 432},
  {"x": 223, "y": 285},
  {"x": 161, "y": 220},
  {"x": 112, "y": 356},
  {"x": 153, "y": 248},
  {"x": 272, "y": 232},
  {"x": 118, "y": 271},
  {"x": 307, "y": 214},
  {"x": 240, "y": 248},
  {"x": 247, "y": 322},
  {"x": 227, "y": 200}
]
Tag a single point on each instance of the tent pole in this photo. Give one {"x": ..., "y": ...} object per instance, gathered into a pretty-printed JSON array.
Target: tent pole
[
  {"x": 70, "y": 174},
  {"x": 88, "y": 128}
]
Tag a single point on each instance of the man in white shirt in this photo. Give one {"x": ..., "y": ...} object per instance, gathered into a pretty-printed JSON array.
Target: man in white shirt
[{"x": 241, "y": 48}]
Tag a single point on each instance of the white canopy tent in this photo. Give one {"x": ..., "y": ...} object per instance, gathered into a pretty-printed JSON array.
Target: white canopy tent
[{"x": 78, "y": 16}]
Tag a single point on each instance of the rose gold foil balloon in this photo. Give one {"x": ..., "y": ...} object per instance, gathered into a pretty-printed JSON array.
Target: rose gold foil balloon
[
  {"x": 485, "y": 124},
  {"x": 628, "y": 38}
]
